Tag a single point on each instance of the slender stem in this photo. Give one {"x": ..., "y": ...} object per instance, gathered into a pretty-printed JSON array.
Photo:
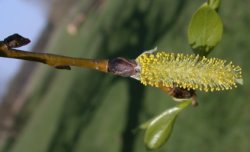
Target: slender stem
[{"x": 57, "y": 61}]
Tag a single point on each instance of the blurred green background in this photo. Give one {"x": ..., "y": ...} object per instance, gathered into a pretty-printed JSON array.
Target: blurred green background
[{"x": 83, "y": 110}]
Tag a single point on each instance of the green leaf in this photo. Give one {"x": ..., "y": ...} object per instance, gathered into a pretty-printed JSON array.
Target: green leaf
[
  {"x": 205, "y": 30},
  {"x": 159, "y": 129}
]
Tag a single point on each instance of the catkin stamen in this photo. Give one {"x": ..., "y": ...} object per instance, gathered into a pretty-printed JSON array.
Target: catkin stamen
[{"x": 187, "y": 71}]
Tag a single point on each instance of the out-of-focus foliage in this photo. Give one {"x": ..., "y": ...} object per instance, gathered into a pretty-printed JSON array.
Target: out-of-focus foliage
[{"x": 83, "y": 110}]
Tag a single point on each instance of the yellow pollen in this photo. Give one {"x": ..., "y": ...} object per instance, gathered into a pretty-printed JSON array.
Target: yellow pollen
[{"x": 187, "y": 71}]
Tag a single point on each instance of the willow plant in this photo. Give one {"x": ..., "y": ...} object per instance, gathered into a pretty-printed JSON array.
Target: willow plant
[
  {"x": 177, "y": 74},
  {"x": 153, "y": 68}
]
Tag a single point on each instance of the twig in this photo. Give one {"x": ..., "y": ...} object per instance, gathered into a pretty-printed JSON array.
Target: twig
[{"x": 57, "y": 61}]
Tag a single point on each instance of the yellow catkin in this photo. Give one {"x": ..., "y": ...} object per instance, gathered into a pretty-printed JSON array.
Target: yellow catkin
[{"x": 187, "y": 71}]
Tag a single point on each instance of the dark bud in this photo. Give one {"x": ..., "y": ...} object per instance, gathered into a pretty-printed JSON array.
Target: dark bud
[
  {"x": 122, "y": 67},
  {"x": 182, "y": 93},
  {"x": 15, "y": 41}
]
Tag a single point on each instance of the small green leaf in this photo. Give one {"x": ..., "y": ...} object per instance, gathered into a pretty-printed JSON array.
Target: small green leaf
[
  {"x": 205, "y": 30},
  {"x": 159, "y": 129}
]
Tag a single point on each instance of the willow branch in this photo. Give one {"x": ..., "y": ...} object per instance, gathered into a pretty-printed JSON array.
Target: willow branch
[
  {"x": 117, "y": 66},
  {"x": 57, "y": 61}
]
